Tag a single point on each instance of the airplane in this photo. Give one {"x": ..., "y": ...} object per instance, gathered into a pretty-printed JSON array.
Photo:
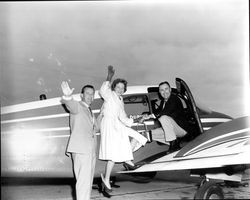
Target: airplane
[{"x": 34, "y": 135}]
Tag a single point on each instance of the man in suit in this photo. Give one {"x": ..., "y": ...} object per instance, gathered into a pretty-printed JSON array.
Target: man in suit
[
  {"x": 82, "y": 141},
  {"x": 171, "y": 116}
]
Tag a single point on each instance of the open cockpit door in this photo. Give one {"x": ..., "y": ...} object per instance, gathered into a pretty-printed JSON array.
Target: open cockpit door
[{"x": 184, "y": 90}]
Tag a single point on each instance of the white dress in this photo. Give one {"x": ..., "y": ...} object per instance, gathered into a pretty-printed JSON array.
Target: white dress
[{"x": 115, "y": 128}]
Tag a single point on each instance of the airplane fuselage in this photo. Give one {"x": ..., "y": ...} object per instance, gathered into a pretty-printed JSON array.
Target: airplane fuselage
[{"x": 34, "y": 135}]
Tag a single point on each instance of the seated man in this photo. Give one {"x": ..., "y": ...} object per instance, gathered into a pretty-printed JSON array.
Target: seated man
[{"x": 171, "y": 116}]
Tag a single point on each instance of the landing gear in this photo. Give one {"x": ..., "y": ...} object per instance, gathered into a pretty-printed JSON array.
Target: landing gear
[
  {"x": 143, "y": 177},
  {"x": 209, "y": 190}
]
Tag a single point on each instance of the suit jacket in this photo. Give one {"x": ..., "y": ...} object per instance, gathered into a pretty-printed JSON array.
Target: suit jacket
[
  {"x": 83, "y": 128},
  {"x": 173, "y": 108}
]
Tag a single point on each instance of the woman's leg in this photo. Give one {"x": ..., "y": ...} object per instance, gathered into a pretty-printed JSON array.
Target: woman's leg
[
  {"x": 133, "y": 143},
  {"x": 130, "y": 162},
  {"x": 137, "y": 137},
  {"x": 109, "y": 167},
  {"x": 137, "y": 141}
]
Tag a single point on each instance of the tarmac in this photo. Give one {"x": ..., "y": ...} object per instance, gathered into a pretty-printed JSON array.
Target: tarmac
[{"x": 166, "y": 185}]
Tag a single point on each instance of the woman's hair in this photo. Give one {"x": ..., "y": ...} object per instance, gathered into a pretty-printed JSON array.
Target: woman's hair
[{"x": 119, "y": 80}]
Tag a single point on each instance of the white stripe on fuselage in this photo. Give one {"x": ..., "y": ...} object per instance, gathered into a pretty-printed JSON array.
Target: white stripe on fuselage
[
  {"x": 217, "y": 138},
  {"x": 213, "y": 120}
]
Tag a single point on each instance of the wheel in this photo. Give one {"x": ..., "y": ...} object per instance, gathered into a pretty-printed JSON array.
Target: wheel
[
  {"x": 143, "y": 177},
  {"x": 209, "y": 190}
]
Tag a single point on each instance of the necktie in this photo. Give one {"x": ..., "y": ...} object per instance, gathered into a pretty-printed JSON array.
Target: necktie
[
  {"x": 164, "y": 103},
  {"x": 90, "y": 112},
  {"x": 92, "y": 118}
]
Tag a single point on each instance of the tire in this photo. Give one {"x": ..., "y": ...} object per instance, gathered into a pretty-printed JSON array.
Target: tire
[
  {"x": 143, "y": 177},
  {"x": 209, "y": 190}
]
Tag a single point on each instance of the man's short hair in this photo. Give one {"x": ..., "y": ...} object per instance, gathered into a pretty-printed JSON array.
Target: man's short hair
[
  {"x": 119, "y": 80},
  {"x": 87, "y": 86},
  {"x": 164, "y": 82}
]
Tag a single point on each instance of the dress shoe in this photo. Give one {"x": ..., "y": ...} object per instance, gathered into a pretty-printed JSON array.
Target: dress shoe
[
  {"x": 112, "y": 183},
  {"x": 174, "y": 146},
  {"x": 129, "y": 167}
]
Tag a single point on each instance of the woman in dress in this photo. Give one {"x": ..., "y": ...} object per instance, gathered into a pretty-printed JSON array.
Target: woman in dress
[{"x": 115, "y": 146}]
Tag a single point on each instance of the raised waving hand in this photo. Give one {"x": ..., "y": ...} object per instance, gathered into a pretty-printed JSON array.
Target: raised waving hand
[
  {"x": 67, "y": 91},
  {"x": 111, "y": 72}
]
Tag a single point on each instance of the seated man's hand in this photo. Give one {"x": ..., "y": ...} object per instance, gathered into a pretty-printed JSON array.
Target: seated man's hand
[
  {"x": 141, "y": 120},
  {"x": 138, "y": 120},
  {"x": 146, "y": 116}
]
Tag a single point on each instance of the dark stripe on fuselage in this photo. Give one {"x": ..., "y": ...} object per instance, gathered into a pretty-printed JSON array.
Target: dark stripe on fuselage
[
  {"x": 43, "y": 111},
  {"x": 220, "y": 141},
  {"x": 219, "y": 130}
]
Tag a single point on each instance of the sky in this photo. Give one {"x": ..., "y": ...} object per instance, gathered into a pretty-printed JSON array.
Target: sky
[{"x": 206, "y": 43}]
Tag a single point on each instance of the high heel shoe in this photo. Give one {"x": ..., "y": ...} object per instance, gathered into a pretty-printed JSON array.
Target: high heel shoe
[
  {"x": 104, "y": 186},
  {"x": 104, "y": 191},
  {"x": 129, "y": 167}
]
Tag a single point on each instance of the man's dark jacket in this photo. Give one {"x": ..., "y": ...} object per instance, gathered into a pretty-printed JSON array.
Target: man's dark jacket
[{"x": 173, "y": 108}]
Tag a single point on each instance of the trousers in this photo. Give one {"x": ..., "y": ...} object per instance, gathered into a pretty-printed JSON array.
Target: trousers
[
  {"x": 169, "y": 131},
  {"x": 84, "y": 169}
]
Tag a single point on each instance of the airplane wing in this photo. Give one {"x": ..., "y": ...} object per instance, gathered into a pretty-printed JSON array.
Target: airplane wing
[
  {"x": 227, "y": 149},
  {"x": 168, "y": 162}
]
